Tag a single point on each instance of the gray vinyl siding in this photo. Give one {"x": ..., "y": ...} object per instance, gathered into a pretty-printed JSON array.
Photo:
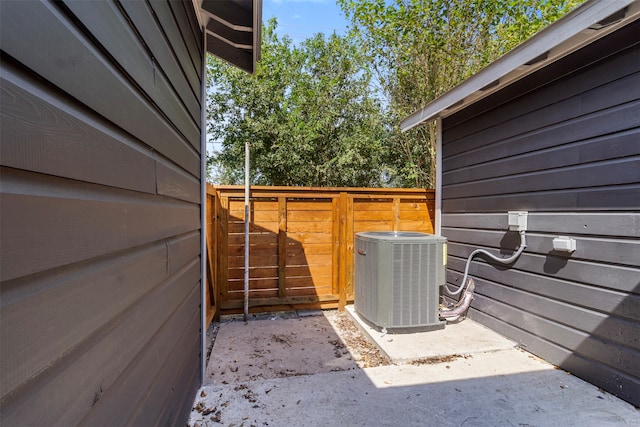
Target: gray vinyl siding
[
  {"x": 99, "y": 212},
  {"x": 563, "y": 144}
]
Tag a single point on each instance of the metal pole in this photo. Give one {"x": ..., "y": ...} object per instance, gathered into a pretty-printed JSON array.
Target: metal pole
[{"x": 246, "y": 230}]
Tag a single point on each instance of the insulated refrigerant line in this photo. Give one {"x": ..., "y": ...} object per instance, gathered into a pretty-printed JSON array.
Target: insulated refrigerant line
[{"x": 504, "y": 261}]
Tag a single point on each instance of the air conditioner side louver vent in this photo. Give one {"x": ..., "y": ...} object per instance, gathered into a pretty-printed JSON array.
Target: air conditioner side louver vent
[{"x": 397, "y": 279}]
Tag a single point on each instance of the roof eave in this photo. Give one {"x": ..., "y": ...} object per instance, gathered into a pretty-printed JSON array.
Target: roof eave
[
  {"x": 568, "y": 34},
  {"x": 233, "y": 30}
]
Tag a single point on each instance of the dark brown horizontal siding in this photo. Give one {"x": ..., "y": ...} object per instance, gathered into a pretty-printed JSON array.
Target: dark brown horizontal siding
[
  {"x": 45, "y": 131},
  {"x": 562, "y": 144},
  {"x": 609, "y": 276},
  {"x": 40, "y": 301},
  {"x": 123, "y": 409},
  {"x": 623, "y": 118},
  {"x": 618, "y": 145},
  {"x": 174, "y": 182},
  {"x": 551, "y": 85},
  {"x": 105, "y": 220},
  {"x": 128, "y": 51},
  {"x": 183, "y": 49},
  {"x": 587, "y": 223},
  {"x": 591, "y": 105},
  {"x": 98, "y": 361},
  {"x": 184, "y": 79},
  {"x": 614, "y": 329},
  {"x": 616, "y": 250},
  {"x": 109, "y": 286},
  {"x": 606, "y": 173},
  {"x": 88, "y": 75},
  {"x": 187, "y": 37},
  {"x": 572, "y": 292},
  {"x": 618, "y": 197},
  {"x": 100, "y": 212}
]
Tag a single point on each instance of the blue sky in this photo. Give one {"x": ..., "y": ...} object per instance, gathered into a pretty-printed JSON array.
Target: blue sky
[{"x": 301, "y": 19}]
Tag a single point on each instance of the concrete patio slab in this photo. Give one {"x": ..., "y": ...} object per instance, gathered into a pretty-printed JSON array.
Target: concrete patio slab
[{"x": 489, "y": 383}]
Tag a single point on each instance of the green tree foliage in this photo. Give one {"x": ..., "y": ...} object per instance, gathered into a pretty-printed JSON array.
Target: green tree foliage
[
  {"x": 418, "y": 49},
  {"x": 308, "y": 112}
]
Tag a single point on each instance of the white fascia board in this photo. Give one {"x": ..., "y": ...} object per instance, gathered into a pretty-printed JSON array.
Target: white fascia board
[{"x": 564, "y": 36}]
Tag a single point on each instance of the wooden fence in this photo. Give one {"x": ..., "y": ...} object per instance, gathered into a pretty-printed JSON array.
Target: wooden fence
[{"x": 301, "y": 241}]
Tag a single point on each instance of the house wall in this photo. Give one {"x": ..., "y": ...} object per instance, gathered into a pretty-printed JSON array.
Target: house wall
[
  {"x": 100, "y": 212},
  {"x": 563, "y": 144}
]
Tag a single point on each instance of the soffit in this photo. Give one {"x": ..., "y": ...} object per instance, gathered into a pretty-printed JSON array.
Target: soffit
[{"x": 233, "y": 30}]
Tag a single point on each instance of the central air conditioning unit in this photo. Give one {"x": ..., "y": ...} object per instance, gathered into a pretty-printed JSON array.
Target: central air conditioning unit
[{"x": 397, "y": 279}]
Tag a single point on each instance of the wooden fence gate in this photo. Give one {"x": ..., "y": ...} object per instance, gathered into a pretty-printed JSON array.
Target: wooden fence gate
[{"x": 301, "y": 241}]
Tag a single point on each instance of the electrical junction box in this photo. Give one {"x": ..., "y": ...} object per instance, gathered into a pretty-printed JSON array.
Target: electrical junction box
[
  {"x": 518, "y": 220},
  {"x": 564, "y": 244},
  {"x": 397, "y": 279}
]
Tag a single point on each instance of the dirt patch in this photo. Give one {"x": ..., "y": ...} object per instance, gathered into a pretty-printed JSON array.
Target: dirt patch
[
  {"x": 436, "y": 359},
  {"x": 439, "y": 359},
  {"x": 352, "y": 341}
]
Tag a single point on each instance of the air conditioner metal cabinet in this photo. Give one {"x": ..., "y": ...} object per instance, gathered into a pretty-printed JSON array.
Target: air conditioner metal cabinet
[{"x": 397, "y": 279}]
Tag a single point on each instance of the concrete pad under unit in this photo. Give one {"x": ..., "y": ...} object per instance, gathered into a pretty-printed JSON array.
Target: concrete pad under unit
[{"x": 464, "y": 338}]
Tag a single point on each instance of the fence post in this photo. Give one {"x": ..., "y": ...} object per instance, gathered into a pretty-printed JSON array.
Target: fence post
[
  {"x": 214, "y": 232},
  {"x": 342, "y": 263},
  {"x": 212, "y": 298},
  {"x": 346, "y": 249},
  {"x": 282, "y": 246},
  {"x": 396, "y": 214},
  {"x": 350, "y": 242},
  {"x": 223, "y": 248},
  {"x": 335, "y": 252}
]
